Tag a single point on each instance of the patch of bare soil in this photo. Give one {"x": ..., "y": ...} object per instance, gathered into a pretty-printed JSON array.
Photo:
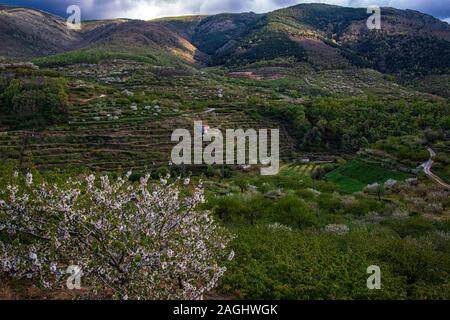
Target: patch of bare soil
[
  {"x": 261, "y": 74},
  {"x": 321, "y": 54},
  {"x": 12, "y": 289}
]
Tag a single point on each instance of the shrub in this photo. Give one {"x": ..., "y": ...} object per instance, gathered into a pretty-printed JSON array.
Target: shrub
[
  {"x": 293, "y": 211},
  {"x": 136, "y": 176},
  {"x": 305, "y": 194},
  {"x": 38, "y": 101},
  {"x": 330, "y": 203},
  {"x": 363, "y": 205},
  {"x": 240, "y": 208},
  {"x": 414, "y": 227},
  {"x": 275, "y": 263}
]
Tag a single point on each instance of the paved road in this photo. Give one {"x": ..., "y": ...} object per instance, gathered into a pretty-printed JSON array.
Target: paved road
[{"x": 427, "y": 169}]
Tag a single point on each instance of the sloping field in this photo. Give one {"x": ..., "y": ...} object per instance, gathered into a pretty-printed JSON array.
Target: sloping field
[
  {"x": 109, "y": 145},
  {"x": 302, "y": 170},
  {"x": 356, "y": 175}
]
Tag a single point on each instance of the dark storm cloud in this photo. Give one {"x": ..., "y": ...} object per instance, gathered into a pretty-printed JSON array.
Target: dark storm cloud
[{"x": 155, "y": 8}]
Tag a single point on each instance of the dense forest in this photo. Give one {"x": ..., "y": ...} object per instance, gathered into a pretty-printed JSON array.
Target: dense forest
[
  {"x": 33, "y": 99},
  {"x": 348, "y": 124}
]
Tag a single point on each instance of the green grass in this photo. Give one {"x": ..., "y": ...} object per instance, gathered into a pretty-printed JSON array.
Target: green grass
[
  {"x": 89, "y": 56},
  {"x": 302, "y": 170},
  {"x": 356, "y": 175}
]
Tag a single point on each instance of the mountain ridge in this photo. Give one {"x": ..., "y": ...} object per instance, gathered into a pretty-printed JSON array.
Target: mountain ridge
[{"x": 321, "y": 35}]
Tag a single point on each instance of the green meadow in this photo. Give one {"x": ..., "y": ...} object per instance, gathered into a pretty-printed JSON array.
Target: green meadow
[{"x": 356, "y": 175}]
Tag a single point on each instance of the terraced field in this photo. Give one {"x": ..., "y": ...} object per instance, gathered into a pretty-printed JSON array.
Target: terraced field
[
  {"x": 299, "y": 169},
  {"x": 129, "y": 144},
  {"x": 122, "y": 115}
]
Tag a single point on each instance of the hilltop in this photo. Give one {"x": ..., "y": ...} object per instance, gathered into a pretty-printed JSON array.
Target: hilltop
[{"x": 321, "y": 35}]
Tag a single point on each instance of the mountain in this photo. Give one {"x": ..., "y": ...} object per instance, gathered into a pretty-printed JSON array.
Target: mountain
[
  {"x": 408, "y": 41},
  {"x": 315, "y": 36},
  {"x": 140, "y": 37},
  {"x": 27, "y": 33}
]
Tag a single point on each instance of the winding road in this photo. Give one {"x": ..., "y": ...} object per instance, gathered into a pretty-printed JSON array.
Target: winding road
[{"x": 427, "y": 169}]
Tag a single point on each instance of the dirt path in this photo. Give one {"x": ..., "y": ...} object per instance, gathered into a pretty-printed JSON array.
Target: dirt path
[
  {"x": 93, "y": 98},
  {"x": 427, "y": 169}
]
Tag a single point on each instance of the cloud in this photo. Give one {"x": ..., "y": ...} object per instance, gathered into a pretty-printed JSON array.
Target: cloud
[{"x": 147, "y": 9}]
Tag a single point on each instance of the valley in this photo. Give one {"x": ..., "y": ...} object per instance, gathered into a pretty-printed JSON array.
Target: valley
[{"x": 357, "y": 111}]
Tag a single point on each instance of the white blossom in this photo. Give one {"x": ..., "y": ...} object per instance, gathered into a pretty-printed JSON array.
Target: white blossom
[
  {"x": 231, "y": 255},
  {"x": 340, "y": 229},
  {"x": 29, "y": 179},
  {"x": 53, "y": 267},
  {"x": 144, "y": 241}
]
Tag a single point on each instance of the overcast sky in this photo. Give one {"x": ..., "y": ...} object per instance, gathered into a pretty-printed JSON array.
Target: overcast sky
[{"x": 148, "y": 9}]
